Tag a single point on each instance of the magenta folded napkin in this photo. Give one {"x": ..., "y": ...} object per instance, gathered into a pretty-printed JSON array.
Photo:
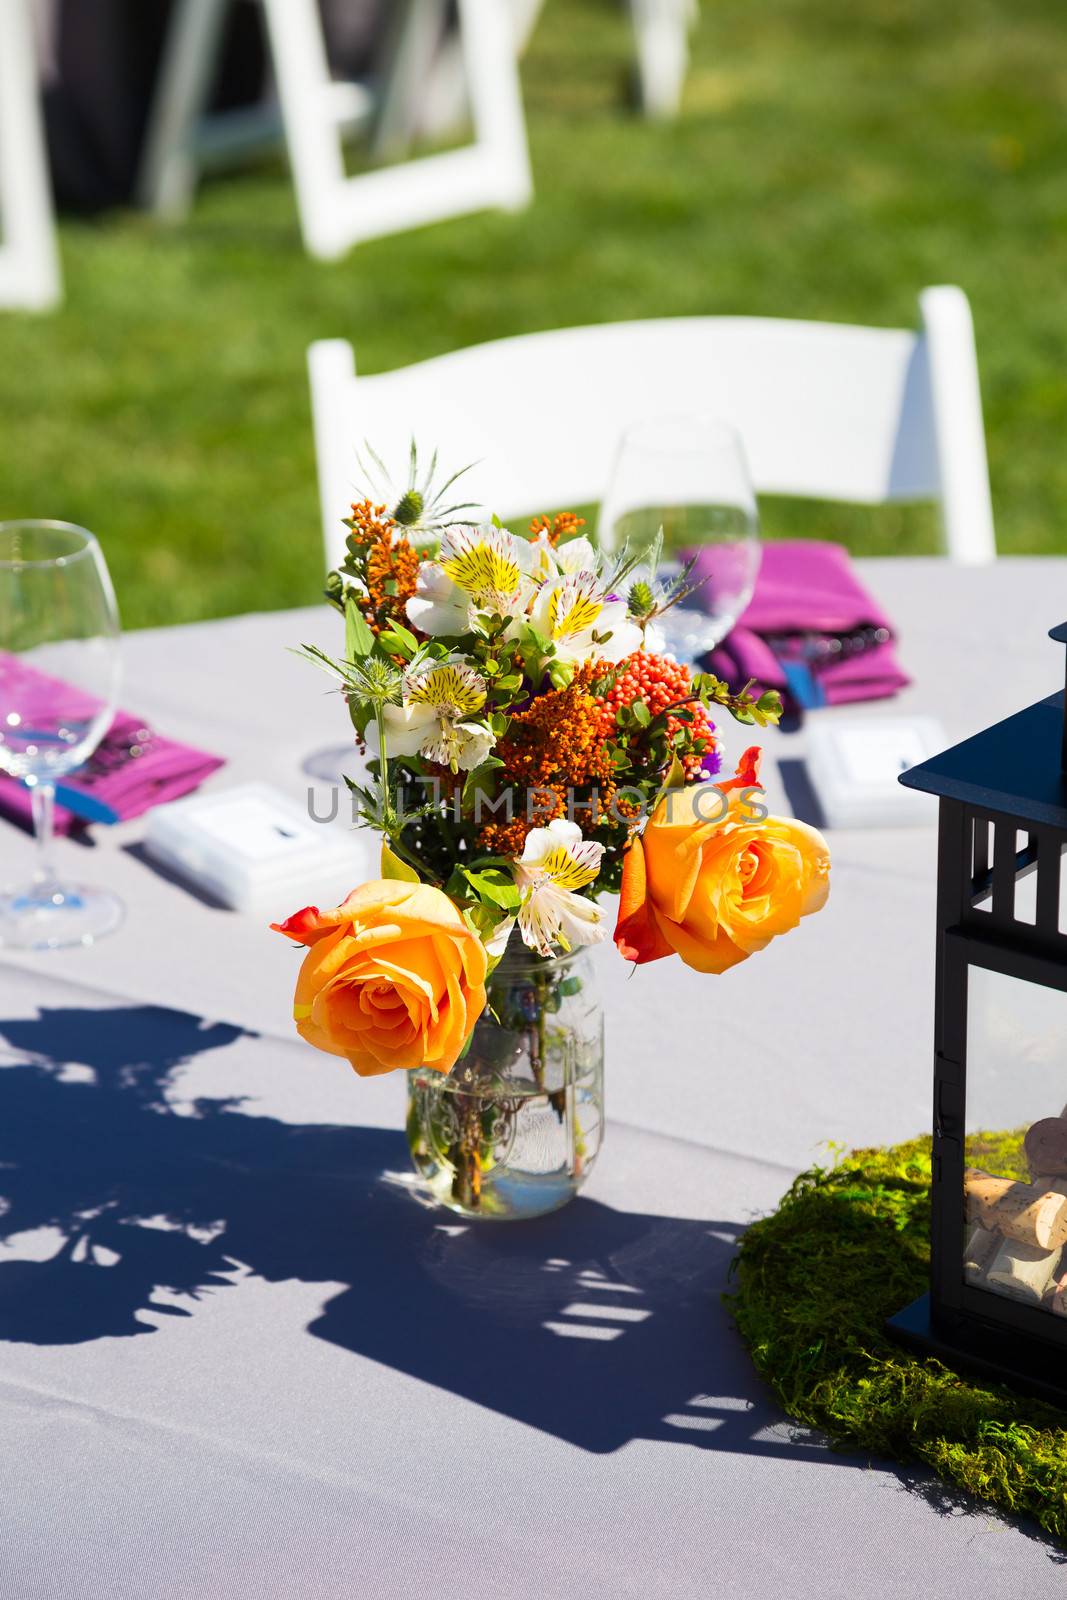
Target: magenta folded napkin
[
  {"x": 811, "y": 630},
  {"x": 132, "y": 769}
]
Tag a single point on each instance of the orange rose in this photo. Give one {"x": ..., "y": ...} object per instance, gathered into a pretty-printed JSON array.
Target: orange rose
[
  {"x": 715, "y": 891},
  {"x": 393, "y": 978}
]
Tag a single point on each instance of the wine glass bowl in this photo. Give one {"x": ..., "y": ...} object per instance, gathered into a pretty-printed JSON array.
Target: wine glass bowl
[
  {"x": 688, "y": 476},
  {"x": 59, "y": 678}
]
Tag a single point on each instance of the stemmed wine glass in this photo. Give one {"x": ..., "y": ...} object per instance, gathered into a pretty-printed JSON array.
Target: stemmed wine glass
[
  {"x": 59, "y": 679},
  {"x": 687, "y": 475}
]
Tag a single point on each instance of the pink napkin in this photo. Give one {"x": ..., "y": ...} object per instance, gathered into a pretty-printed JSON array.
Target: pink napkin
[
  {"x": 132, "y": 769},
  {"x": 810, "y": 630}
]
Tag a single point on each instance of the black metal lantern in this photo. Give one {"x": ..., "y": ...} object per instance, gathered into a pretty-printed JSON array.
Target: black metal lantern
[{"x": 998, "y": 1268}]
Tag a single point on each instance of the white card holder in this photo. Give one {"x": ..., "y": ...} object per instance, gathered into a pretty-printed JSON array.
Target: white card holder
[
  {"x": 253, "y": 849},
  {"x": 854, "y": 765}
]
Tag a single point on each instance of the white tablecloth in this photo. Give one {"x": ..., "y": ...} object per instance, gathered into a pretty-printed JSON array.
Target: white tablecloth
[{"x": 238, "y": 1359}]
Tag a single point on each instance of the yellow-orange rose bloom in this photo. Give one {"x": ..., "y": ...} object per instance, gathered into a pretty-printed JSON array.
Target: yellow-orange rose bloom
[
  {"x": 714, "y": 892},
  {"x": 393, "y": 978}
]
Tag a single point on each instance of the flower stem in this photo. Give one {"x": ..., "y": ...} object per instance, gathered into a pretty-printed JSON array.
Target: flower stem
[
  {"x": 538, "y": 1063},
  {"x": 401, "y": 849},
  {"x": 383, "y": 768}
]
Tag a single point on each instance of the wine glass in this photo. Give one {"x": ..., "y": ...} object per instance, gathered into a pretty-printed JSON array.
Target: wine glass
[
  {"x": 59, "y": 678},
  {"x": 687, "y": 475}
]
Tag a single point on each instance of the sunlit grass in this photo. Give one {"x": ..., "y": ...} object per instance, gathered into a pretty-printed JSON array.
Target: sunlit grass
[{"x": 830, "y": 162}]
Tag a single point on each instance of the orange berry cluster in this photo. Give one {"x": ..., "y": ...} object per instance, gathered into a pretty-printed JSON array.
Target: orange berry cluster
[
  {"x": 390, "y": 564},
  {"x": 556, "y": 746},
  {"x": 562, "y": 526},
  {"x": 659, "y": 682}
]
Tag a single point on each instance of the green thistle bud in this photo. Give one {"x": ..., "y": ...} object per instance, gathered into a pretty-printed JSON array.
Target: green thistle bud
[
  {"x": 376, "y": 681},
  {"x": 408, "y": 509},
  {"x": 641, "y": 600}
]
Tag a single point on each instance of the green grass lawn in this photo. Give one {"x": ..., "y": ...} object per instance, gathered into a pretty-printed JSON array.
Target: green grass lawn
[{"x": 830, "y": 162}]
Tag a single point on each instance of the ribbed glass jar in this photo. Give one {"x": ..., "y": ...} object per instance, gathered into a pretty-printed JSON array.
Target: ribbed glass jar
[{"x": 513, "y": 1130}]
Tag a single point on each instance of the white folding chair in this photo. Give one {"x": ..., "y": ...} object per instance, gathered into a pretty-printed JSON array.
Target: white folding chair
[
  {"x": 337, "y": 211},
  {"x": 29, "y": 261},
  {"x": 661, "y": 47},
  {"x": 826, "y": 411}
]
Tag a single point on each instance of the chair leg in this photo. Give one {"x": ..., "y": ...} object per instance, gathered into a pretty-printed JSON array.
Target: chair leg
[
  {"x": 170, "y": 164},
  {"x": 312, "y": 136},
  {"x": 29, "y": 262},
  {"x": 661, "y": 42},
  {"x": 418, "y": 29},
  {"x": 442, "y": 95},
  {"x": 496, "y": 99},
  {"x": 526, "y": 15}
]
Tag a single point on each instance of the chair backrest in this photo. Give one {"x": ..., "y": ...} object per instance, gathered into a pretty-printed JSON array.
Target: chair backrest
[{"x": 826, "y": 411}]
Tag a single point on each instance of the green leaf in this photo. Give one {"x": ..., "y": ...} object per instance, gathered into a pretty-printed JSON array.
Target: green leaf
[
  {"x": 396, "y": 640},
  {"x": 641, "y": 713},
  {"x": 475, "y": 779},
  {"x": 456, "y": 884},
  {"x": 495, "y": 886},
  {"x": 393, "y": 867},
  {"x": 359, "y": 640},
  {"x": 361, "y": 713},
  {"x": 709, "y": 687},
  {"x": 675, "y": 778}
]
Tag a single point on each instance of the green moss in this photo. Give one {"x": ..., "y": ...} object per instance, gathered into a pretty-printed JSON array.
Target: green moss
[{"x": 847, "y": 1247}]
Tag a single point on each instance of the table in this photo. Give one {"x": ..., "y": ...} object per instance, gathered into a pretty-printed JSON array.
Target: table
[{"x": 238, "y": 1359}]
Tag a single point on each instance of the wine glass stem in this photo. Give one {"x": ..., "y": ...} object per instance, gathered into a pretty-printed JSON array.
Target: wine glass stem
[{"x": 43, "y": 802}]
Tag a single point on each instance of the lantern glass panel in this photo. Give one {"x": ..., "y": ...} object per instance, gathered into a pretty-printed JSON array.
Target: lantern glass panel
[{"x": 1015, "y": 1207}]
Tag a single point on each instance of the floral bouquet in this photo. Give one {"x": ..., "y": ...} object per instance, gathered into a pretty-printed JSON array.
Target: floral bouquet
[{"x": 531, "y": 751}]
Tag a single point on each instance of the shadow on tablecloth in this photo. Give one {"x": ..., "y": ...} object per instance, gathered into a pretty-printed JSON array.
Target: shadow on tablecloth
[{"x": 595, "y": 1325}]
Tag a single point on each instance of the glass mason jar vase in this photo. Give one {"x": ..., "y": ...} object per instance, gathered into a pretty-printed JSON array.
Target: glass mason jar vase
[{"x": 513, "y": 1130}]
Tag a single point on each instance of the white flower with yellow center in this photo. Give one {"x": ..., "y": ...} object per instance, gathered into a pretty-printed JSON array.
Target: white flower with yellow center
[
  {"x": 483, "y": 569},
  {"x": 574, "y": 555},
  {"x": 575, "y": 614},
  {"x": 434, "y": 720},
  {"x": 555, "y": 864}
]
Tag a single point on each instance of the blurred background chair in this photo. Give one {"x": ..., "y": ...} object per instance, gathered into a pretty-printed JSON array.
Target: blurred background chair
[
  {"x": 314, "y": 115},
  {"x": 661, "y": 40},
  {"x": 661, "y": 47},
  {"x": 826, "y": 411},
  {"x": 29, "y": 260}
]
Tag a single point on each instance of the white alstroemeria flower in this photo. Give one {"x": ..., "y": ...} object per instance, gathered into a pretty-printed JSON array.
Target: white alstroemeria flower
[
  {"x": 570, "y": 609},
  {"x": 557, "y": 862},
  {"x": 551, "y": 561},
  {"x": 498, "y": 943},
  {"x": 437, "y": 606},
  {"x": 477, "y": 569},
  {"x": 435, "y": 719}
]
